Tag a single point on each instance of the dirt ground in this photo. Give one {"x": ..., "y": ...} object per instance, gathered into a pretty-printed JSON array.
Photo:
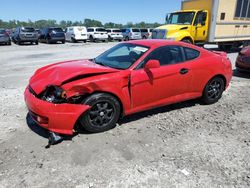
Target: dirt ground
[{"x": 182, "y": 145}]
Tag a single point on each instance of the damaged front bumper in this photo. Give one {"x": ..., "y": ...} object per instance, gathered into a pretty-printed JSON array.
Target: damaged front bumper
[{"x": 58, "y": 118}]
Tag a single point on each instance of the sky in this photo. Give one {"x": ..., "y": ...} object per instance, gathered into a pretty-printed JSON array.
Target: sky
[{"x": 116, "y": 11}]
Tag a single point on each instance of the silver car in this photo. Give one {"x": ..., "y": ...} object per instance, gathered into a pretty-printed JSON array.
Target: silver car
[
  {"x": 114, "y": 34},
  {"x": 25, "y": 34},
  {"x": 131, "y": 34},
  {"x": 4, "y": 37}
]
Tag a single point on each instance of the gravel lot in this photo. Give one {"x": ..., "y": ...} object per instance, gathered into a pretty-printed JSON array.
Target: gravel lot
[{"x": 181, "y": 145}]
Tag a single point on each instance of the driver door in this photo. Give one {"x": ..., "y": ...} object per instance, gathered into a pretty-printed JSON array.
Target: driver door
[
  {"x": 162, "y": 85},
  {"x": 201, "y": 26}
]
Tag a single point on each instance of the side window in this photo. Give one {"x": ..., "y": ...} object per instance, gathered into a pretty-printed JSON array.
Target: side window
[
  {"x": 90, "y": 30},
  {"x": 166, "y": 55},
  {"x": 201, "y": 18},
  {"x": 191, "y": 54}
]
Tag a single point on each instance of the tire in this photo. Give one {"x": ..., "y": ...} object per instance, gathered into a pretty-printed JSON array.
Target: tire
[
  {"x": 19, "y": 42},
  {"x": 72, "y": 40},
  {"x": 9, "y": 43},
  {"x": 85, "y": 41},
  {"x": 110, "y": 39},
  {"x": 187, "y": 40},
  {"x": 48, "y": 41},
  {"x": 144, "y": 37},
  {"x": 91, "y": 39},
  {"x": 63, "y": 41},
  {"x": 102, "y": 116},
  {"x": 126, "y": 38},
  {"x": 213, "y": 90},
  {"x": 36, "y": 42}
]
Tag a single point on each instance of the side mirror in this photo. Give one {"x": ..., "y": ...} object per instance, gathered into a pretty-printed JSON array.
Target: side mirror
[{"x": 152, "y": 64}]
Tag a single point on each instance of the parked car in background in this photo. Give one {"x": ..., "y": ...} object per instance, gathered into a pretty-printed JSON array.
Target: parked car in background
[
  {"x": 146, "y": 33},
  {"x": 76, "y": 33},
  {"x": 131, "y": 34},
  {"x": 38, "y": 32},
  {"x": 131, "y": 77},
  {"x": 243, "y": 60},
  {"x": 25, "y": 34},
  {"x": 114, "y": 34},
  {"x": 97, "y": 34},
  {"x": 4, "y": 37},
  {"x": 52, "y": 35}
]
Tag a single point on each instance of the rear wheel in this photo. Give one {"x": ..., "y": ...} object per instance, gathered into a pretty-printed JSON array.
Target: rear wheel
[
  {"x": 73, "y": 40},
  {"x": 103, "y": 114},
  {"x": 63, "y": 41},
  {"x": 213, "y": 90},
  {"x": 36, "y": 42},
  {"x": 91, "y": 38},
  {"x": 48, "y": 41}
]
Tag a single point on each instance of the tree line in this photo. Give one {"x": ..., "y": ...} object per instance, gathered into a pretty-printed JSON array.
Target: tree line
[{"x": 63, "y": 24}]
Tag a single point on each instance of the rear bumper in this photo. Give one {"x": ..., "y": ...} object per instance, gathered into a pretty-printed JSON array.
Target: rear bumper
[
  {"x": 135, "y": 37},
  {"x": 60, "y": 118},
  {"x": 28, "y": 39},
  {"x": 79, "y": 38},
  {"x": 4, "y": 39},
  {"x": 56, "y": 38}
]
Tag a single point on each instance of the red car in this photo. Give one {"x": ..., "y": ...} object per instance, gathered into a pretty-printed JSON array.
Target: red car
[
  {"x": 243, "y": 60},
  {"x": 128, "y": 78}
]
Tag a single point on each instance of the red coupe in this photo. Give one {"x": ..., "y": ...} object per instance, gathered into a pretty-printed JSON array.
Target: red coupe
[{"x": 130, "y": 77}]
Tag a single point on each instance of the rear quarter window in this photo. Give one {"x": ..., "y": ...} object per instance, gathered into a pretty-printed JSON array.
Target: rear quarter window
[{"x": 191, "y": 53}]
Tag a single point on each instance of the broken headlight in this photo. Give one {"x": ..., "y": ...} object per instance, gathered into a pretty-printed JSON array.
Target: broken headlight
[{"x": 54, "y": 94}]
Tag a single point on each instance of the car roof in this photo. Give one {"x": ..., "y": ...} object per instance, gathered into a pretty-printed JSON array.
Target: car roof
[{"x": 162, "y": 42}]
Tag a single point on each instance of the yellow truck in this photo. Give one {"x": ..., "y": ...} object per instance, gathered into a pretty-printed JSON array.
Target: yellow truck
[{"x": 224, "y": 22}]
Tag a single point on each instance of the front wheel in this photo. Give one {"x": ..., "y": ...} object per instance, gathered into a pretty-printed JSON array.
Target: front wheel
[
  {"x": 213, "y": 90},
  {"x": 103, "y": 114}
]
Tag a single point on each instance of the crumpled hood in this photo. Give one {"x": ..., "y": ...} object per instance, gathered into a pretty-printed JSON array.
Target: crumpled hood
[{"x": 57, "y": 74}]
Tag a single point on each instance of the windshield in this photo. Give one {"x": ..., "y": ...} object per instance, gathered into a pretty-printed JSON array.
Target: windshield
[
  {"x": 28, "y": 29},
  {"x": 121, "y": 56},
  {"x": 2, "y": 31},
  {"x": 56, "y": 30},
  {"x": 117, "y": 31},
  {"x": 136, "y": 30},
  {"x": 185, "y": 18},
  {"x": 100, "y": 30}
]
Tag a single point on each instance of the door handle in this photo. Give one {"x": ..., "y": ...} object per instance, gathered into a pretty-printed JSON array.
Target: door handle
[{"x": 184, "y": 71}]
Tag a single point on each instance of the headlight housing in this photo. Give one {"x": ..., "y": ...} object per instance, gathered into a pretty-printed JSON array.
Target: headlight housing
[{"x": 54, "y": 94}]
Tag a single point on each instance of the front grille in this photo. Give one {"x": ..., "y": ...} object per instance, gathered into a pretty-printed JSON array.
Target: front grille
[{"x": 159, "y": 34}]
